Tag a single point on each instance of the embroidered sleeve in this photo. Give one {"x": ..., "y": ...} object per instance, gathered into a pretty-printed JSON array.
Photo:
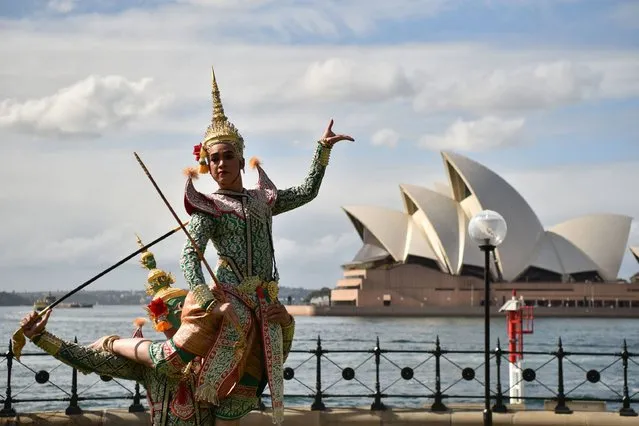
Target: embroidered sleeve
[
  {"x": 297, "y": 196},
  {"x": 288, "y": 332},
  {"x": 168, "y": 359},
  {"x": 88, "y": 360},
  {"x": 200, "y": 228}
]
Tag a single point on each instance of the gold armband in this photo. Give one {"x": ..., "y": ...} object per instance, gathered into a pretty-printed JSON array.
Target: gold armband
[
  {"x": 107, "y": 343},
  {"x": 204, "y": 297},
  {"x": 48, "y": 342},
  {"x": 325, "y": 153}
]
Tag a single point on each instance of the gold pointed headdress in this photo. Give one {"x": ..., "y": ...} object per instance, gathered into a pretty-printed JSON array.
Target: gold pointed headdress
[{"x": 221, "y": 130}]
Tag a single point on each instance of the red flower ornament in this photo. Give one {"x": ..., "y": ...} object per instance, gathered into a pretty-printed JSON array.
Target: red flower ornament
[
  {"x": 157, "y": 307},
  {"x": 196, "y": 151}
]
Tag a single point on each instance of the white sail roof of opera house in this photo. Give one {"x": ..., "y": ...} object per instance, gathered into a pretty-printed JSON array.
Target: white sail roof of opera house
[
  {"x": 635, "y": 252},
  {"x": 432, "y": 230}
]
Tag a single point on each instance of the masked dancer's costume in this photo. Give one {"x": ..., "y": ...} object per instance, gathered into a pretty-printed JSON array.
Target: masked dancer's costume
[
  {"x": 239, "y": 355},
  {"x": 171, "y": 398}
]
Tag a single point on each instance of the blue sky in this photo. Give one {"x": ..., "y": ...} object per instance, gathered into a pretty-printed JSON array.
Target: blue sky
[{"x": 543, "y": 92}]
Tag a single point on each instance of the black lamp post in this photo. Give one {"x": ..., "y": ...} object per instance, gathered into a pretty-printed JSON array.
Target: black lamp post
[{"x": 488, "y": 229}]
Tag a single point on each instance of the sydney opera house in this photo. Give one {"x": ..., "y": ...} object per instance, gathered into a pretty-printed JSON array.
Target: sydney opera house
[{"x": 422, "y": 255}]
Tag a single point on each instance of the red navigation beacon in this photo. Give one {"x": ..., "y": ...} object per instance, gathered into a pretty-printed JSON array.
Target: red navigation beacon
[{"x": 519, "y": 321}]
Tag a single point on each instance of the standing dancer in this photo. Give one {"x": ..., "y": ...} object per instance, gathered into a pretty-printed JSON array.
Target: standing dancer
[{"x": 238, "y": 329}]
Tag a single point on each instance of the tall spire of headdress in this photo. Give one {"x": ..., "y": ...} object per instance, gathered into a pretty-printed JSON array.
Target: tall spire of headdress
[
  {"x": 218, "y": 109},
  {"x": 221, "y": 130}
]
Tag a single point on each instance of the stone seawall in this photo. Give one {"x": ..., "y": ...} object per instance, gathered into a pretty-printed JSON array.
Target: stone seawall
[
  {"x": 454, "y": 311},
  {"x": 349, "y": 416}
]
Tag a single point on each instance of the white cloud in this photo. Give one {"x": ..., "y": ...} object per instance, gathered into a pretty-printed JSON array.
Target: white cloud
[
  {"x": 385, "y": 137},
  {"x": 86, "y": 204},
  {"x": 476, "y": 135},
  {"x": 537, "y": 86},
  {"x": 61, "y": 6},
  {"x": 347, "y": 80},
  {"x": 228, "y": 4},
  {"x": 626, "y": 14},
  {"x": 293, "y": 80},
  {"x": 71, "y": 248},
  {"x": 316, "y": 250},
  {"x": 328, "y": 18},
  {"x": 88, "y": 107},
  {"x": 633, "y": 239},
  {"x": 563, "y": 192}
]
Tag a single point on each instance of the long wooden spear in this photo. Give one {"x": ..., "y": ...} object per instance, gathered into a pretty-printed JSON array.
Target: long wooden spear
[{"x": 18, "y": 341}]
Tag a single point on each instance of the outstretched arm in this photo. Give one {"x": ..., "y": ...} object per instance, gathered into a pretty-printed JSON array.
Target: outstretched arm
[
  {"x": 297, "y": 196},
  {"x": 85, "y": 359},
  {"x": 135, "y": 349}
]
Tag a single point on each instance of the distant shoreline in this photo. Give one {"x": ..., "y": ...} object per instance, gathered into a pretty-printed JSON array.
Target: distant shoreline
[
  {"x": 118, "y": 297},
  {"x": 425, "y": 312}
]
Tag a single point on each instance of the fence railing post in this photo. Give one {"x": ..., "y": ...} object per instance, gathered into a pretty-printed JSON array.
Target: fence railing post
[
  {"x": 561, "y": 407},
  {"x": 7, "y": 410},
  {"x": 318, "y": 404},
  {"x": 438, "y": 405},
  {"x": 377, "y": 404},
  {"x": 137, "y": 406},
  {"x": 73, "y": 407},
  {"x": 499, "y": 406},
  {"x": 625, "y": 410}
]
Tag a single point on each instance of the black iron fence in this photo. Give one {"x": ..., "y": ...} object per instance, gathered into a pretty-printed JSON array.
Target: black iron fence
[
  {"x": 73, "y": 396},
  {"x": 430, "y": 378}
]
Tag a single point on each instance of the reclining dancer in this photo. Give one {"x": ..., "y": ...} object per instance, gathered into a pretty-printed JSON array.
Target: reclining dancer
[
  {"x": 238, "y": 331},
  {"x": 171, "y": 398}
]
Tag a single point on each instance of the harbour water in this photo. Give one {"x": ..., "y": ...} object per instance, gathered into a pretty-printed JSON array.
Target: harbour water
[{"x": 595, "y": 336}]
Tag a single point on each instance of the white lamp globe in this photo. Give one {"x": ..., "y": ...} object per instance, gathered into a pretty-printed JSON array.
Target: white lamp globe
[{"x": 487, "y": 228}]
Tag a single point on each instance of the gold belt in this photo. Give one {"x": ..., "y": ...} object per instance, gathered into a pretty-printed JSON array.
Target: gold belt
[{"x": 249, "y": 286}]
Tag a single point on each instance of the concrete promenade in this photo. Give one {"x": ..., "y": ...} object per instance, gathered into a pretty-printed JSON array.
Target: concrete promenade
[{"x": 346, "y": 416}]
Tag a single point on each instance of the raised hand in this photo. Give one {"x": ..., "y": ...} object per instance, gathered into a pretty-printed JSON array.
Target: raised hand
[
  {"x": 330, "y": 138},
  {"x": 32, "y": 324}
]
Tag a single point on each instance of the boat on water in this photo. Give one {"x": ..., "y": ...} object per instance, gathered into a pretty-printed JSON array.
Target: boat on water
[
  {"x": 43, "y": 302},
  {"x": 79, "y": 305}
]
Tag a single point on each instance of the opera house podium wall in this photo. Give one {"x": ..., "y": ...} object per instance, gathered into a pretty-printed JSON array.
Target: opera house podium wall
[
  {"x": 422, "y": 256},
  {"x": 416, "y": 288}
]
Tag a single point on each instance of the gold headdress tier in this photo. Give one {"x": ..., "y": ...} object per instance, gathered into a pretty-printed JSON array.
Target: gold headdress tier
[{"x": 221, "y": 130}]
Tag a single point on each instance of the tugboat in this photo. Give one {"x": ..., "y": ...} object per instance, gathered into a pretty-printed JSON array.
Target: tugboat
[{"x": 42, "y": 303}]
